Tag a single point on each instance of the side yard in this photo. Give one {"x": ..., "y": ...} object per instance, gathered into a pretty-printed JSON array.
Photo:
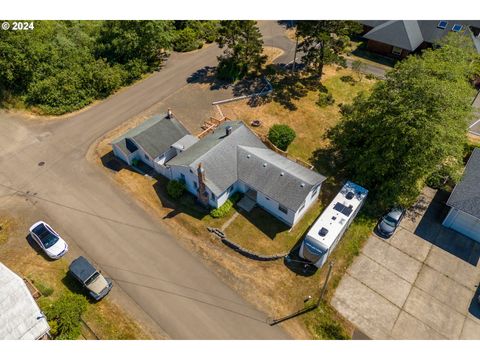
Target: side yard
[
  {"x": 272, "y": 286},
  {"x": 104, "y": 320}
]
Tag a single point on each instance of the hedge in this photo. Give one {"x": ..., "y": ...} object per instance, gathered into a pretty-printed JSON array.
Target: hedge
[{"x": 225, "y": 208}]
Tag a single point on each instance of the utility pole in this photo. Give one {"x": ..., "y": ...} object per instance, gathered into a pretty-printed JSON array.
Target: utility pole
[
  {"x": 310, "y": 308},
  {"x": 324, "y": 288}
]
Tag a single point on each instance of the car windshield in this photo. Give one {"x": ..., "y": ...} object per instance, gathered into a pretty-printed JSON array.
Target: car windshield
[
  {"x": 92, "y": 279},
  {"x": 47, "y": 238},
  {"x": 390, "y": 221}
]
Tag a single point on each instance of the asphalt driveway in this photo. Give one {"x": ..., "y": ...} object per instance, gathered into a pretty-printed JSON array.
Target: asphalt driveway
[{"x": 419, "y": 284}]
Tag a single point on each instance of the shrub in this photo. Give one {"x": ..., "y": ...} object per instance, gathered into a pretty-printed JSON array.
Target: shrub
[
  {"x": 64, "y": 316},
  {"x": 175, "y": 189},
  {"x": 325, "y": 99},
  {"x": 330, "y": 330},
  {"x": 348, "y": 79},
  {"x": 225, "y": 208},
  {"x": 187, "y": 40},
  {"x": 371, "y": 77},
  {"x": 281, "y": 136}
]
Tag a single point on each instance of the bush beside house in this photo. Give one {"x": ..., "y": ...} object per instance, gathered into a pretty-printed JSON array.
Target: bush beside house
[
  {"x": 281, "y": 136},
  {"x": 175, "y": 189},
  {"x": 225, "y": 208}
]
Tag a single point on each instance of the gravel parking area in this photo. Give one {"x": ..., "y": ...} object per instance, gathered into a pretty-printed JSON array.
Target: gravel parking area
[{"x": 419, "y": 284}]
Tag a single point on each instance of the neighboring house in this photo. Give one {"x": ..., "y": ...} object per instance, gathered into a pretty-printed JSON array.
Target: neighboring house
[
  {"x": 464, "y": 202},
  {"x": 228, "y": 160},
  {"x": 399, "y": 38},
  {"x": 20, "y": 316},
  {"x": 154, "y": 142},
  {"x": 233, "y": 159}
]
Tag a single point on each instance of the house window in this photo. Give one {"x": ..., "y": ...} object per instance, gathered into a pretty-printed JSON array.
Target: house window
[
  {"x": 182, "y": 177},
  {"x": 396, "y": 50},
  {"x": 283, "y": 209},
  {"x": 195, "y": 185},
  {"x": 315, "y": 191}
]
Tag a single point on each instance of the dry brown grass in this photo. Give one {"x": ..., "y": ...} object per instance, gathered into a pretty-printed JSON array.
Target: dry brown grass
[
  {"x": 309, "y": 121},
  {"x": 6, "y": 224},
  {"x": 272, "y": 53}
]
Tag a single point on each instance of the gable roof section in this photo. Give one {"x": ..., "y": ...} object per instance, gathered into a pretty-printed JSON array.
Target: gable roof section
[
  {"x": 20, "y": 316},
  {"x": 154, "y": 135},
  {"x": 225, "y": 161},
  {"x": 218, "y": 155},
  {"x": 405, "y": 34},
  {"x": 275, "y": 176},
  {"x": 409, "y": 34},
  {"x": 466, "y": 194}
]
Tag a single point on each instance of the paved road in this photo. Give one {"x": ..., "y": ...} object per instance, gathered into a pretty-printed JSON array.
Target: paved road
[{"x": 47, "y": 159}]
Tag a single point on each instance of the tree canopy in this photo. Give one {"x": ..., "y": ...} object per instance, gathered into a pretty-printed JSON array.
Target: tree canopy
[
  {"x": 323, "y": 42},
  {"x": 412, "y": 124},
  {"x": 62, "y": 66},
  {"x": 243, "y": 45}
]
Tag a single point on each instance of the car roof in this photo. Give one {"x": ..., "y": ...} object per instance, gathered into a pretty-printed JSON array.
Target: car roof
[
  {"x": 395, "y": 212},
  {"x": 82, "y": 268},
  {"x": 40, "y": 229}
]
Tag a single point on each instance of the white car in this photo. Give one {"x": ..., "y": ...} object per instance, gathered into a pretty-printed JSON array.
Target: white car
[{"x": 48, "y": 240}]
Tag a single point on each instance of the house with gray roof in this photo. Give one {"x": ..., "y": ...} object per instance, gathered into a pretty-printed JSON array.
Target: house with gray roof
[
  {"x": 464, "y": 201},
  {"x": 154, "y": 142},
  {"x": 20, "y": 316},
  {"x": 228, "y": 160},
  {"x": 233, "y": 159},
  {"x": 399, "y": 38}
]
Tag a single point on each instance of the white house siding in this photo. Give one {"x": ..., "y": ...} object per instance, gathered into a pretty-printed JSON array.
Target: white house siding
[
  {"x": 120, "y": 154},
  {"x": 309, "y": 201},
  {"x": 463, "y": 223},
  {"x": 272, "y": 207},
  {"x": 190, "y": 178}
]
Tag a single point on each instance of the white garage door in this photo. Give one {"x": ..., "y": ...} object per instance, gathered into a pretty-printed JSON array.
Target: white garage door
[{"x": 465, "y": 224}]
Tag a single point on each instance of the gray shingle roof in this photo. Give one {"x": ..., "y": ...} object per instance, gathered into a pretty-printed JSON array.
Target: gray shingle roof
[
  {"x": 466, "y": 194},
  {"x": 218, "y": 155},
  {"x": 276, "y": 176},
  {"x": 224, "y": 159},
  {"x": 154, "y": 135},
  {"x": 409, "y": 34},
  {"x": 405, "y": 34}
]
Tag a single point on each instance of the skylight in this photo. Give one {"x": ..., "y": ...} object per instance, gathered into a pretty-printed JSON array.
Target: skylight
[
  {"x": 442, "y": 24},
  {"x": 457, "y": 27}
]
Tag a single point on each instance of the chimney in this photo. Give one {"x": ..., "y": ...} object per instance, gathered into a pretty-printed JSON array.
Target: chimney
[
  {"x": 169, "y": 113},
  {"x": 228, "y": 130},
  {"x": 202, "y": 191}
]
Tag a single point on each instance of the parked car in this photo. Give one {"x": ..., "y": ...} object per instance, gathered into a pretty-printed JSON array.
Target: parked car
[
  {"x": 48, "y": 240},
  {"x": 83, "y": 271},
  {"x": 390, "y": 221}
]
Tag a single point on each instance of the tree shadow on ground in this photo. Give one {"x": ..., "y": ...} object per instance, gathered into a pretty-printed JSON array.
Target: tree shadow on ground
[
  {"x": 263, "y": 221},
  {"x": 187, "y": 204},
  {"x": 289, "y": 87},
  {"x": 37, "y": 248},
  {"x": 208, "y": 75}
]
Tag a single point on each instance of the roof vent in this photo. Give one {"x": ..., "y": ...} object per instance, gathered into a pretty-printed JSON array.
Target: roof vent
[
  {"x": 264, "y": 164},
  {"x": 302, "y": 185},
  {"x": 169, "y": 113},
  {"x": 282, "y": 173},
  {"x": 350, "y": 195},
  {"x": 228, "y": 130},
  {"x": 323, "y": 231},
  {"x": 248, "y": 156}
]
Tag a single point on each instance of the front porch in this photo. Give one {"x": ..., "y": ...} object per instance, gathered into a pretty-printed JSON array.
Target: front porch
[{"x": 248, "y": 201}]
